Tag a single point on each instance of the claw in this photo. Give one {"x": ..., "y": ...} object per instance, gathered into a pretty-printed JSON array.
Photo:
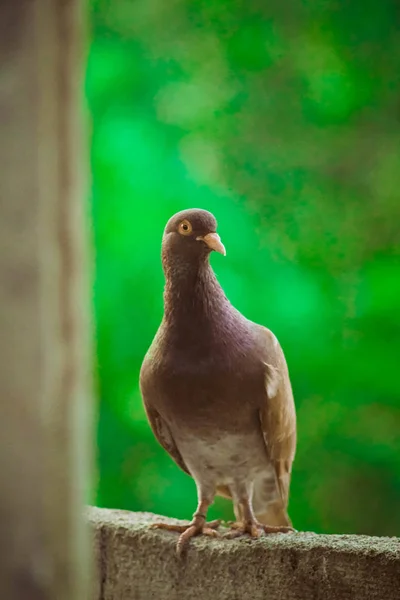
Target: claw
[
  {"x": 169, "y": 527},
  {"x": 184, "y": 539},
  {"x": 269, "y": 529},
  {"x": 211, "y": 532},
  {"x": 189, "y": 531},
  {"x": 254, "y": 530}
]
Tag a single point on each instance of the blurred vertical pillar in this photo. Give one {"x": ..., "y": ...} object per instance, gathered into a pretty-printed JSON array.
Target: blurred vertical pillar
[{"x": 44, "y": 299}]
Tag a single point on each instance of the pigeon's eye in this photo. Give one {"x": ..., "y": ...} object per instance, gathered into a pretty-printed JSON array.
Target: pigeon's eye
[{"x": 185, "y": 228}]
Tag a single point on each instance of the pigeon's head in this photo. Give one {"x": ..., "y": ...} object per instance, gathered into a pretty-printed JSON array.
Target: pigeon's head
[{"x": 190, "y": 236}]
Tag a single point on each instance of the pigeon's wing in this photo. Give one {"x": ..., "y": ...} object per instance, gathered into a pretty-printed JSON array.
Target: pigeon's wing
[
  {"x": 278, "y": 414},
  {"x": 148, "y": 389},
  {"x": 278, "y": 424},
  {"x": 164, "y": 436}
]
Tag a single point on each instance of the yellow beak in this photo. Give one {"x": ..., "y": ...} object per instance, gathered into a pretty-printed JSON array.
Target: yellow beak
[{"x": 213, "y": 241}]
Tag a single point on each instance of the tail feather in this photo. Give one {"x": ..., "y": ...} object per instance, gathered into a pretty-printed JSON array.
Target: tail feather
[
  {"x": 275, "y": 514},
  {"x": 271, "y": 513}
]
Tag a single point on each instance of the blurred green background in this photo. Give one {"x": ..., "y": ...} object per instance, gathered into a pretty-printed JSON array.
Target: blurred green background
[{"x": 282, "y": 119}]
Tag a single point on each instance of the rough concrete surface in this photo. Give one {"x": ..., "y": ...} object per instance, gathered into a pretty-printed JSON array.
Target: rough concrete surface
[{"x": 136, "y": 563}]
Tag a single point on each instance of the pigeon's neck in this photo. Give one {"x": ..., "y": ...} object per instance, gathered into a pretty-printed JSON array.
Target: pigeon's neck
[{"x": 192, "y": 296}]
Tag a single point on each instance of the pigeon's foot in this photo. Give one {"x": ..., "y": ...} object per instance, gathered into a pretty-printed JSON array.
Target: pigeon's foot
[
  {"x": 197, "y": 527},
  {"x": 254, "y": 529}
]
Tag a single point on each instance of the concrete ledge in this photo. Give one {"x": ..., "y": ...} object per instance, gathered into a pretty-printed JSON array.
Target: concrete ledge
[{"x": 135, "y": 563}]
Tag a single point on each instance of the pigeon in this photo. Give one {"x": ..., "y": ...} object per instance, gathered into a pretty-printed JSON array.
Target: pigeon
[{"x": 216, "y": 391}]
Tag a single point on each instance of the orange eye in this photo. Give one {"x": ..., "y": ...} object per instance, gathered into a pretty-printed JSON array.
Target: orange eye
[{"x": 185, "y": 228}]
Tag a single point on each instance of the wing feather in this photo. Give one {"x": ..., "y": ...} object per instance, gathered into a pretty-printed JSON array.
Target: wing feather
[
  {"x": 163, "y": 434},
  {"x": 278, "y": 415}
]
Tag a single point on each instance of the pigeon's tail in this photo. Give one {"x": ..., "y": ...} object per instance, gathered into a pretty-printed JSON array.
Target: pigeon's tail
[
  {"x": 271, "y": 513},
  {"x": 269, "y": 504},
  {"x": 275, "y": 515}
]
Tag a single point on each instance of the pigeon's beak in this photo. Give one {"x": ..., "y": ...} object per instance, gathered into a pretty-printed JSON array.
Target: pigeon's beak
[{"x": 213, "y": 241}]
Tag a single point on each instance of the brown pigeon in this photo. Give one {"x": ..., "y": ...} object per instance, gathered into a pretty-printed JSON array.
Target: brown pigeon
[{"x": 216, "y": 390}]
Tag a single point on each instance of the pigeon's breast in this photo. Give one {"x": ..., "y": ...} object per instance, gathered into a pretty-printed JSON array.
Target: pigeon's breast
[
  {"x": 218, "y": 380},
  {"x": 227, "y": 395}
]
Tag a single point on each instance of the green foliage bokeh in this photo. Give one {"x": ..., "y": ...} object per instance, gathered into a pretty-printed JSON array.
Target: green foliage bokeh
[{"x": 282, "y": 119}]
